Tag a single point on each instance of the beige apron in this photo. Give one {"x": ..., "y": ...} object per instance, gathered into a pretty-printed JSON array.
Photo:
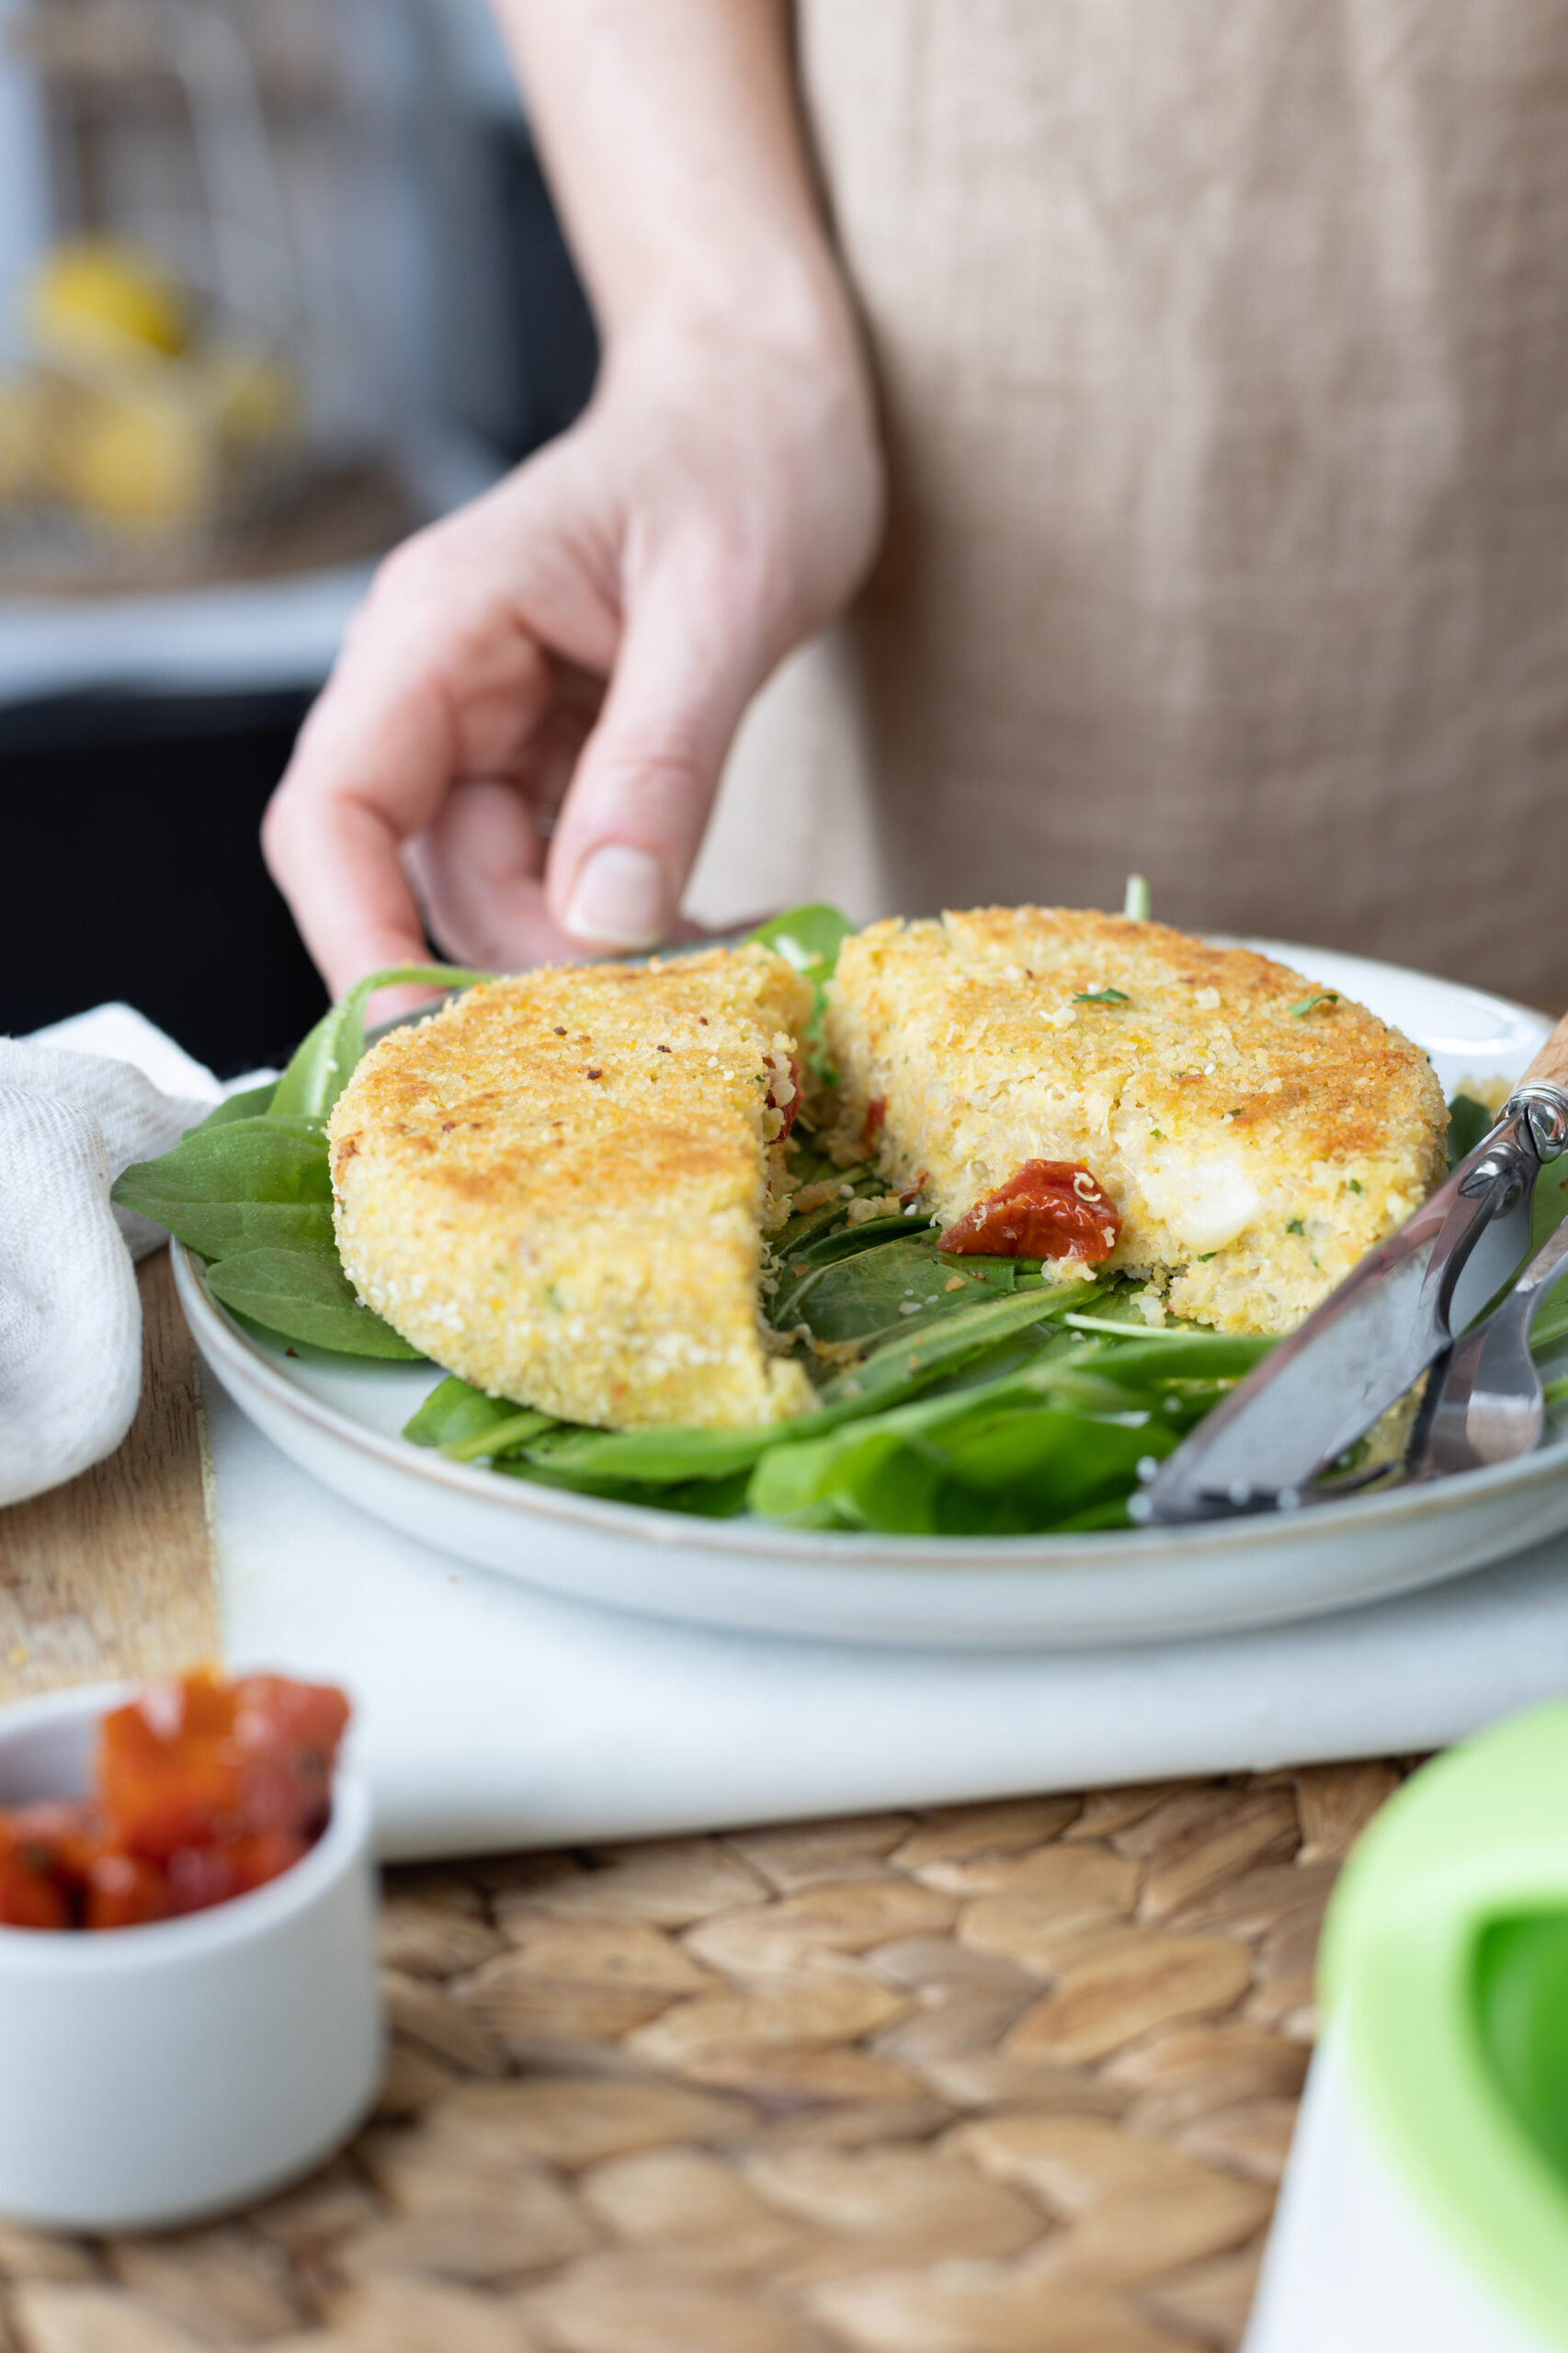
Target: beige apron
[{"x": 1223, "y": 348}]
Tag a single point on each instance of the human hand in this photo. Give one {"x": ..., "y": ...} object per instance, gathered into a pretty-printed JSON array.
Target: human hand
[{"x": 530, "y": 717}]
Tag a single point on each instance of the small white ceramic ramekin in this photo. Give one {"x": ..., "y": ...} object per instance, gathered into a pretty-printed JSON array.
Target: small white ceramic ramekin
[{"x": 159, "y": 2074}]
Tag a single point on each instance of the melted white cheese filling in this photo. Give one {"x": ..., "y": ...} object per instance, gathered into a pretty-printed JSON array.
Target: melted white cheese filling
[{"x": 1205, "y": 1203}]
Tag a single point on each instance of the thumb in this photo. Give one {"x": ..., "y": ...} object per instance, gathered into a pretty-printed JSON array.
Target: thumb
[{"x": 633, "y": 820}]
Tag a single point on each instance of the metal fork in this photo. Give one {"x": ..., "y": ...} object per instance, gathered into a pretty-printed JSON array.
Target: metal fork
[{"x": 1484, "y": 1400}]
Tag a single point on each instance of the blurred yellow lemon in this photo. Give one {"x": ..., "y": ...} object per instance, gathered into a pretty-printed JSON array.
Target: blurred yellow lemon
[
  {"x": 141, "y": 465},
  {"x": 98, "y": 298},
  {"x": 255, "y": 398}
]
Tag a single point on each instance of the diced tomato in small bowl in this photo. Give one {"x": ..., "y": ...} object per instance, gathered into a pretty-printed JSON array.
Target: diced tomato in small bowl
[
  {"x": 205, "y": 1789},
  {"x": 227, "y": 2034}
]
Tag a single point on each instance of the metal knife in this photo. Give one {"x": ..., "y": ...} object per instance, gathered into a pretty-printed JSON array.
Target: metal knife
[{"x": 1325, "y": 1386}]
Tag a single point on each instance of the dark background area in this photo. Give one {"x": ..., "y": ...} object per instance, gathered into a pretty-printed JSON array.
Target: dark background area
[
  {"x": 128, "y": 820},
  {"x": 135, "y": 872}
]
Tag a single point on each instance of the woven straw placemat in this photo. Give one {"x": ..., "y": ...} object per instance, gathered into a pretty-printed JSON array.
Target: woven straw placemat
[{"x": 1011, "y": 2078}]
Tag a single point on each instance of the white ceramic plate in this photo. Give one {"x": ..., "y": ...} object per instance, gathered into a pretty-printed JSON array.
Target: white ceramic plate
[{"x": 340, "y": 1421}]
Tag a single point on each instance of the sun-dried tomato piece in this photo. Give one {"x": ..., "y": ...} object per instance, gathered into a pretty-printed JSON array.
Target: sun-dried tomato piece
[{"x": 1051, "y": 1208}]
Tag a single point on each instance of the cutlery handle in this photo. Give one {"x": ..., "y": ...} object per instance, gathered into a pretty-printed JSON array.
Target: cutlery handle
[{"x": 1552, "y": 1062}]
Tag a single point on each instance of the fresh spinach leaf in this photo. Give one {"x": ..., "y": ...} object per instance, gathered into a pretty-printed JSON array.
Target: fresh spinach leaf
[
  {"x": 1030, "y": 1472},
  {"x": 454, "y": 1411},
  {"x": 809, "y": 937},
  {"x": 705, "y": 1498},
  {"x": 807, "y": 1225},
  {"x": 242, "y": 1163},
  {"x": 1467, "y": 1122},
  {"x": 523, "y": 1426},
  {"x": 801, "y": 1266},
  {"x": 220, "y": 1229},
  {"x": 996, "y": 1274},
  {"x": 1549, "y": 1206},
  {"x": 661, "y": 1457},
  {"x": 901, "y": 1365},
  {"x": 999, "y": 1462},
  {"x": 1097, "y": 1516},
  {"x": 253, "y": 1103},
  {"x": 876, "y": 1291},
  {"x": 305, "y": 1295},
  {"x": 889, "y": 1483},
  {"x": 870, "y": 1234},
  {"x": 709, "y": 1498},
  {"x": 469, "y": 1425},
  {"x": 1195, "y": 1355}
]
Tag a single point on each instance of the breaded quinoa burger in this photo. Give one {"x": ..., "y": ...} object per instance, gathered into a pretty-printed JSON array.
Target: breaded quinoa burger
[
  {"x": 1096, "y": 1091},
  {"x": 557, "y": 1186}
]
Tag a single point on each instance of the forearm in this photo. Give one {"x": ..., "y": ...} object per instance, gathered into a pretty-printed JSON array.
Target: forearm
[{"x": 670, "y": 131}]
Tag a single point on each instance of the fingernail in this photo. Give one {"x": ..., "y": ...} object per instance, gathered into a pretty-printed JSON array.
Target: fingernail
[{"x": 620, "y": 898}]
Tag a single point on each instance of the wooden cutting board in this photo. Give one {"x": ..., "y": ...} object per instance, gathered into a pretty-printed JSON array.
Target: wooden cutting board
[{"x": 115, "y": 1574}]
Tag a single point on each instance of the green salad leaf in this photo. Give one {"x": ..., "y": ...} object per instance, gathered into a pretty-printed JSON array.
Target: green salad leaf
[
  {"x": 306, "y": 1294},
  {"x": 251, "y": 1104},
  {"x": 1548, "y": 1207},
  {"x": 469, "y": 1425},
  {"x": 964, "y": 1335},
  {"x": 1467, "y": 1122},
  {"x": 247, "y": 1163},
  {"x": 1010, "y": 1457},
  {"x": 808, "y": 938},
  {"x": 880, "y": 1292}
]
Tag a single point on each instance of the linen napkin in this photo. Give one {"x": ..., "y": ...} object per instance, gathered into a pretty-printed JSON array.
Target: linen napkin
[{"x": 78, "y": 1103}]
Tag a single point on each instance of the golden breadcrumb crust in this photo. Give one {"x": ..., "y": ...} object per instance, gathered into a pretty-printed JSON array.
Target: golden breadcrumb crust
[
  {"x": 1254, "y": 1151},
  {"x": 557, "y": 1187}
]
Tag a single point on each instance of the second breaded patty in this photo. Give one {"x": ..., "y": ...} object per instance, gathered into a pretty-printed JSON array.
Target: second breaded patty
[
  {"x": 557, "y": 1186},
  {"x": 1255, "y": 1144}
]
